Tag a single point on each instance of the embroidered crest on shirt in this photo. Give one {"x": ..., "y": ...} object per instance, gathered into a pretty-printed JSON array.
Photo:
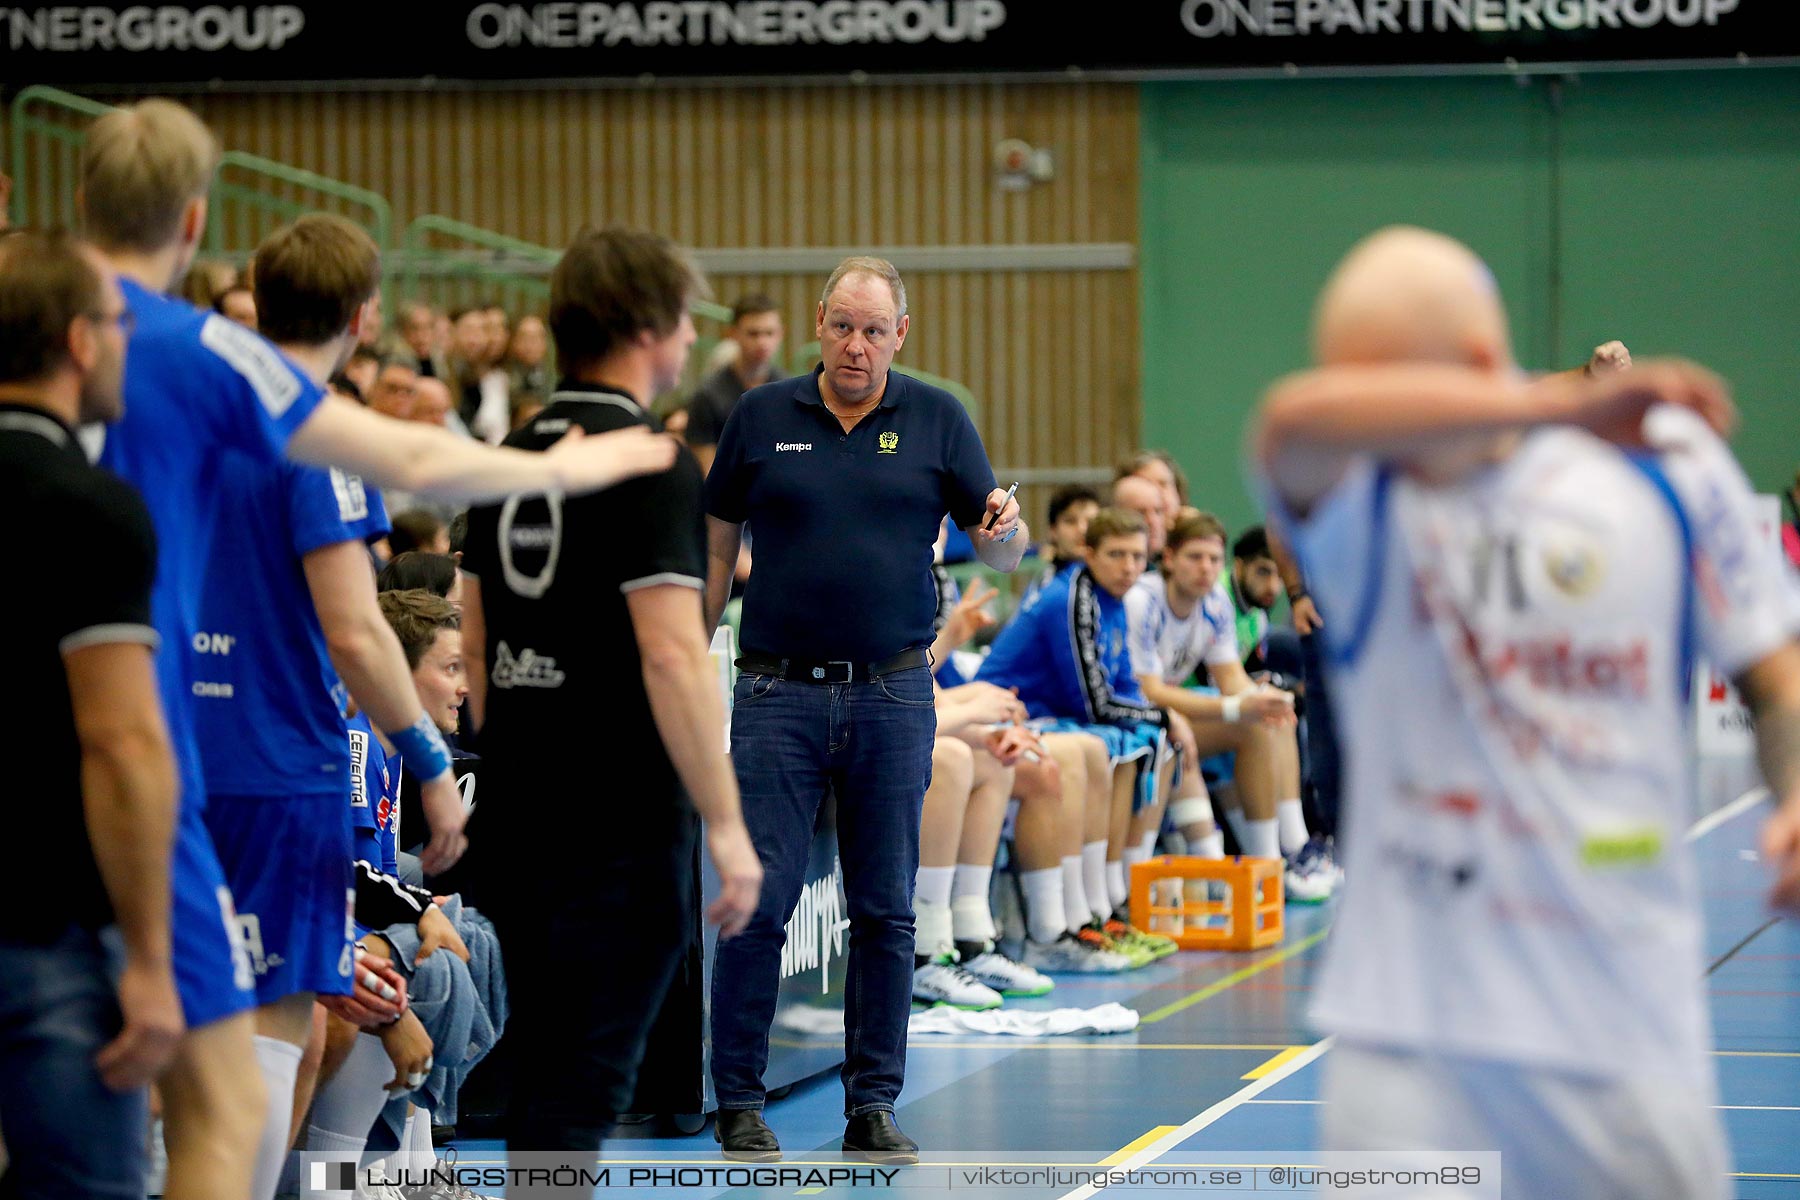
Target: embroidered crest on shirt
[{"x": 888, "y": 442}]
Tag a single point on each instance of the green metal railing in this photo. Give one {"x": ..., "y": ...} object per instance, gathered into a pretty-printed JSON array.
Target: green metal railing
[
  {"x": 439, "y": 260},
  {"x": 250, "y": 197}
]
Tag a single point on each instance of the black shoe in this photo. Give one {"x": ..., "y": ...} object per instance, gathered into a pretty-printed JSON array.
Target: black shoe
[
  {"x": 744, "y": 1136},
  {"x": 875, "y": 1137}
]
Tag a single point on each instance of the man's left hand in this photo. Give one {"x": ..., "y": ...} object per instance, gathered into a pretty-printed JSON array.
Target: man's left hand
[{"x": 1009, "y": 517}]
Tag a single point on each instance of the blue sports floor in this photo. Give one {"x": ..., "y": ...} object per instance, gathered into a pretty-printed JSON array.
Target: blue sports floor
[{"x": 1223, "y": 1063}]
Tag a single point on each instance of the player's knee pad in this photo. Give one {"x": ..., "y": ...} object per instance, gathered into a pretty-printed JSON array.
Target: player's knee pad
[{"x": 1191, "y": 810}]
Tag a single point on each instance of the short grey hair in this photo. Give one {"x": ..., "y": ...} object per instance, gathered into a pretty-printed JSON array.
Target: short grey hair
[{"x": 881, "y": 268}]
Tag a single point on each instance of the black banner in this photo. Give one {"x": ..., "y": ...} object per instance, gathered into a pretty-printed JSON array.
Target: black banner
[{"x": 404, "y": 44}]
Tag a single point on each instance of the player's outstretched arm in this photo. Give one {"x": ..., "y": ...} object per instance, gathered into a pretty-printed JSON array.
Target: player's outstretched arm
[
  {"x": 1772, "y": 689},
  {"x": 433, "y": 462},
  {"x": 1312, "y": 425}
]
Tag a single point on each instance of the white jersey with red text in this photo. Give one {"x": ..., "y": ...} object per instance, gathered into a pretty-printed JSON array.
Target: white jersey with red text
[{"x": 1512, "y": 659}]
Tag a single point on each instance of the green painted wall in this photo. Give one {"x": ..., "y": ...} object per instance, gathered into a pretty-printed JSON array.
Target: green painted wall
[{"x": 1660, "y": 208}]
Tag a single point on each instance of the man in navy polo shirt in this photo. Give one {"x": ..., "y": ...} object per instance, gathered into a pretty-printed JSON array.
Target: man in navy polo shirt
[{"x": 845, "y": 475}]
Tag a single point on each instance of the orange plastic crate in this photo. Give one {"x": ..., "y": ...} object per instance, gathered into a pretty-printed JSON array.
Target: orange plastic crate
[{"x": 1254, "y": 909}]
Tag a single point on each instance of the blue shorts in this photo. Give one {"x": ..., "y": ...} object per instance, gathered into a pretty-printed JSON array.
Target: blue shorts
[
  {"x": 212, "y": 973},
  {"x": 1144, "y": 744},
  {"x": 287, "y": 859},
  {"x": 1221, "y": 767}
]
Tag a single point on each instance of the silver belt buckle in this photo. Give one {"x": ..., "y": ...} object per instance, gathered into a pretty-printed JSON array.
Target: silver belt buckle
[{"x": 849, "y": 670}]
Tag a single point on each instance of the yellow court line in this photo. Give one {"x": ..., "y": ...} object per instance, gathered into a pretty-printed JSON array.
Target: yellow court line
[
  {"x": 809, "y": 1191},
  {"x": 1235, "y": 978},
  {"x": 1126, "y": 1151},
  {"x": 1275, "y": 1064}
]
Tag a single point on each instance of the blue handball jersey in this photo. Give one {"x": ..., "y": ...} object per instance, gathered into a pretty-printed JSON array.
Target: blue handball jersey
[
  {"x": 262, "y": 730},
  {"x": 196, "y": 387},
  {"x": 374, "y": 799},
  {"x": 1066, "y": 652}
]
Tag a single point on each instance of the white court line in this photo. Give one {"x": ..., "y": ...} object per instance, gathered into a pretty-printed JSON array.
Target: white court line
[
  {"x": 1247, "y": 1095},
  {"x": 1719, "y": 816},
  {"x": 1175, "y": 1137}
]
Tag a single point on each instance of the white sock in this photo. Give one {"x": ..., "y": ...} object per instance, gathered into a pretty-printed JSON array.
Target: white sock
[
  {"x": 1075, "y": 906},
  {"x": 1148, "y": 844},
  {"x": 971, "y": 880},
  {"x": 932, "y": 931},
  {"x": 934, "y": 884},
  {"x": 1260, "y": 839},
  {"x": 1210, "y": 846},
  {"x": 1116, "y": 889},
  {"x": 279, "y": 1063},
  {"x": 971, "y": 920},
  {"x": 346, "y": 1108},
  {"x": 1234, "y": 817},
  {"x": 399, "y": 1159},
  {"x": 1093, "y": 878},
  {"x": 1293, "y": 825},
  {"x": 424, "y": 1154},
  {"x": 1045, "y": 920},
  {"x": 1131, "y": 857}
]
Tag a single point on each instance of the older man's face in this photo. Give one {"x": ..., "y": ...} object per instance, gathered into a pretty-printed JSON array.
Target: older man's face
[
  {"x": 431, "y": 401},
  {"x": 395, "y": 392},
  {"x": 1144, "y": 498},
  {"x": 860, "y": 331}
]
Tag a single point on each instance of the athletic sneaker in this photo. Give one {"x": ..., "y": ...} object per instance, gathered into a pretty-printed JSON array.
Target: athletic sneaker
[
  {"x": 943, "y": 981},
  {"x": 1070, "y": 955},
  {"x": 443, "y": 1185},
  {"x": 1306, "y": 882},
  {"x": 1130, "y": 935},
  {"x": 1318, "y": 854},
  {"x": 1095, "y": 936},
  {"x": 1006, "y": 976}
]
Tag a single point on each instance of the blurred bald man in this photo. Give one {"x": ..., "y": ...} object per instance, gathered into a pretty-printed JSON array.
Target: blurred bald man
[
  {"x": 1512, "y": 569},
  {"x": 1143, "y": 497}
]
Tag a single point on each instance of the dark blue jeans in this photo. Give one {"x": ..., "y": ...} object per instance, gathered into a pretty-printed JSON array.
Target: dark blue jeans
[
  {"x": 68, "y": 1133},
  {"x": 868, "y": 744}
]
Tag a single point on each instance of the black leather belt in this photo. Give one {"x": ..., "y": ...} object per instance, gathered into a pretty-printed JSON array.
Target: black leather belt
[{"x": 807, "y": 670}]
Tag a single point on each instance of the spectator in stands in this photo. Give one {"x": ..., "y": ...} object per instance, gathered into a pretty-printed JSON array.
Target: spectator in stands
[
  {"x": 756, "y": 332},
  {"x": 584, "y": 607},
  {"x": 237, "y": 303},
  {"x": 418, "y": 529},
  {"x": 431, "y": 402},
  {"x": 363, "y": 368},
  {"x": 477, "y": 380},
  {"x": 94, "y": 776},
  {"x": 1182, "y": 619},
  {"x": 206, "y": 280},
  {"x": 419, "y": 330},
  {"x": 1067, "y": 658},
  {"x": 1135, "y": 493},
  {"x": 528, "y": 361},
  {"x": 395, "y": 391}
]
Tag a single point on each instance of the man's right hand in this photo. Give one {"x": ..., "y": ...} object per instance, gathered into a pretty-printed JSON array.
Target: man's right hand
[
  {"x": 444, "y": 813},
  {"x": 408, "y": 1047},
  {"x": 153, "y": 1026},
  {"x": 1613, "y": 406},
  {"x": 379, "y": 996},
  {"x": 1270, "y": 706},
  {"x": 585, "y": 462},
  {"x": 740, "y": 876}
]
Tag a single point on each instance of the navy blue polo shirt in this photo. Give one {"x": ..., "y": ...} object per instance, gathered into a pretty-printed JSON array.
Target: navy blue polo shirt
[{"x": 845, "y": 522}]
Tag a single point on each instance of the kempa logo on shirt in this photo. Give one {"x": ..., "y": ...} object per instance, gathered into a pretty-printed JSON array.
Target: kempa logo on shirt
[
  {"x": 780, "y": 446},
  {"x": 529, "y": 669}
]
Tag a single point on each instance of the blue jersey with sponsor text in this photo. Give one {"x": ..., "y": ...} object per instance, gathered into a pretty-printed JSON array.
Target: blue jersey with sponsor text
[
  {"x": 197, "y": 386},
  {"x": 268, "y": 703},
  {"x": 374, "y": 799}
]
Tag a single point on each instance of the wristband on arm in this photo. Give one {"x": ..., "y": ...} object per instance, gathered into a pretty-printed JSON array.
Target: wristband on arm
[
  {"x": 422, "y": 748},
  {"x": 1231, "y": 708}
]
